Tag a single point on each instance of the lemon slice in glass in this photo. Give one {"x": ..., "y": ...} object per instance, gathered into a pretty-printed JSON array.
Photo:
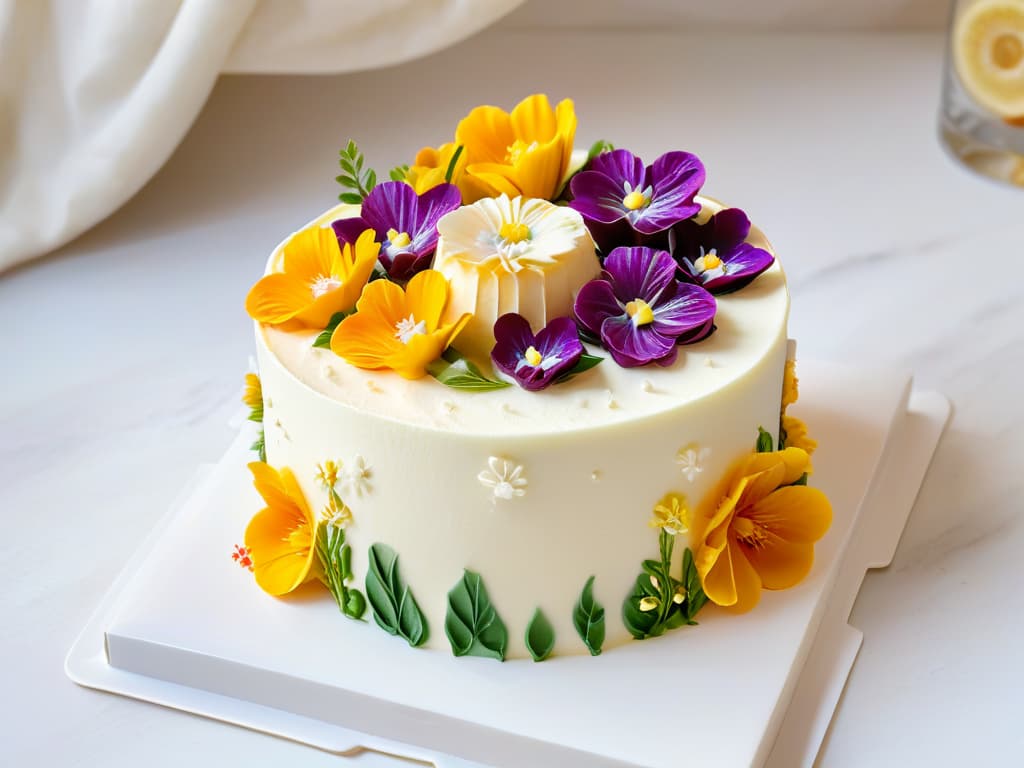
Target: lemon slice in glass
[{"x": 988, "y": 49}]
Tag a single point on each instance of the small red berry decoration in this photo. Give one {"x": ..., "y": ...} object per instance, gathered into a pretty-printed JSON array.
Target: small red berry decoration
[{"x": 242, "y": 557}]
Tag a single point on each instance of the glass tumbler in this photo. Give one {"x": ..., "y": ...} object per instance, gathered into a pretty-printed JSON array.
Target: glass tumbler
[{"x": 982, "y": 119}]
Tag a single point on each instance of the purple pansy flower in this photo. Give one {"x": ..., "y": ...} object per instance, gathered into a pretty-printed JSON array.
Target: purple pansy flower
[
  {"x": 623, "y": 201},
  {"x": 715, "y": 254},
  {"x": 640, "y": 311},
  {"x": 535, "y": 361},
  {"x": 405, "y": 223}
]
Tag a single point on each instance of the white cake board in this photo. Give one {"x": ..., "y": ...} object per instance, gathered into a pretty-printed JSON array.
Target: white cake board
[{"x": 184, "y": 627}]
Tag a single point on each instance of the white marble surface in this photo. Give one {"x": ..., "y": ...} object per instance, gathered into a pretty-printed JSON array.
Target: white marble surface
[{"x": 121, "y": 354}]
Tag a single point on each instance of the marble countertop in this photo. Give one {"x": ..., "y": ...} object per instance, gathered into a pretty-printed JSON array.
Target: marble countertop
[{"x": 122, "y": 353}]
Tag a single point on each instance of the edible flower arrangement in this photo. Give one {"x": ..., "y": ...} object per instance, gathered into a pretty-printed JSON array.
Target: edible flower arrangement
[{"x": 505, "y": 256}]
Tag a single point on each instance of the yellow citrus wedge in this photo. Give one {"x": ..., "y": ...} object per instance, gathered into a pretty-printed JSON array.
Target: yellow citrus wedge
[{"x": 988, "y": 50}]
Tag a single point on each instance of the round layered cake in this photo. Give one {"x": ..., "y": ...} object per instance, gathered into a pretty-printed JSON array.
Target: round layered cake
[{"x": 535, "y": 493}]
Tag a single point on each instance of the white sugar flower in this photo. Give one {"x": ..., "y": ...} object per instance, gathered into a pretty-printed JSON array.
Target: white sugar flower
[
  {"x": 504, "y": 477},
  {"x": 691, "y": 460},
  {"x": 355, "y": 477},
  {"x": 523, "y": 255}
]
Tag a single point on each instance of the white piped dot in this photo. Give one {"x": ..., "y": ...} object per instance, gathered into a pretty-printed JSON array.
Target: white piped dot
[
  {"x": 372, "y": 386},
  {"x": 612, "y": 402},
  {"x": 595, "y": 475},
  {"x": 448, "y": 406},
  {"x": 709, "y": 363}
]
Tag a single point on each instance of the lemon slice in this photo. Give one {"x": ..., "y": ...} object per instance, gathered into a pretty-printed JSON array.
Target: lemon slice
[{"x": 988, "y": 49}]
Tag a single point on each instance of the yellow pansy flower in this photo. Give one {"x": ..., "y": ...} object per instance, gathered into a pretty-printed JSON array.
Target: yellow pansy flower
[
  {"x": 280, "y": 537},
  {"x": 398, "y": 330},
  {"x": 762, "y": 532},
  {"x": 523, "y": 152},
  {"x": 319, "y": 278}
]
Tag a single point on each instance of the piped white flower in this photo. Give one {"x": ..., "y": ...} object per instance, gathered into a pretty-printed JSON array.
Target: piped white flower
[
  {"x": 504, "y": 478},
  {"x": 691, "y": 460},
  {"x": 355, "y": 477}
]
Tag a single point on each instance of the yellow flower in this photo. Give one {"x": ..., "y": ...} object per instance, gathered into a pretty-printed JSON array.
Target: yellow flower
[
  {"x": 336, "y": 513},
  {"x": 526, "y": 152},
  {"x": 793, "y": 431},
  {"x": 762, "y": 533},
  {"x": 281, "y": 536},
  {"x": 327, "y": 473},
  {"x": 319, "y": 278},
  {"x": 796, "y": 436},
  {"x": 431, "y": 166},
  {"x": 671, "y": 514},
  {"x": 252, "y": 396},
  {"x": 396, "y": 329},
  {"x": 790, "y": 385}
]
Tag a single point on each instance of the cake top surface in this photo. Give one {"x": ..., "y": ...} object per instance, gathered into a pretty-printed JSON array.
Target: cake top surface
[{"x": 749, "y": 325}]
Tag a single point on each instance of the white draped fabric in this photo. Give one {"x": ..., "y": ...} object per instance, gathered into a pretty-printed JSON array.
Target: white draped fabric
[{"x": 96, "y": 94}]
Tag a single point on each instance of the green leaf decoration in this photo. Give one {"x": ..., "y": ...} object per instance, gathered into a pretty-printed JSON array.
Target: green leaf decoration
[
  {"x": 354, "y": 179},
  {"x": 659, "y": 601},
  {"x": 765, "y": 444},
  {"x": 589, "y": 338},
  {"x": 336, "y": 559},
  {"x": 695, "y": 597},
  {"x": 394, "y": 608},
  {"x": 599, "y": 147},
  {"x": 323, "y": 341},
  {"x": 260, "y": 446},
  {"x": 585, "y": 363},
  {"x": 256, "y": 414},
  {"x": 399, "y": 172},
  {"x": 540, "y": 636},
  {"x": 449, "y": 172},
  {"x": 454, "y": 370},
  {"x": 588, "y": 617},
  {"x": 472, "y": 624}
]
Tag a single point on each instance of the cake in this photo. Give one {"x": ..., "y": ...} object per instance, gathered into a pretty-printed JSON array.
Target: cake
[{"x": 522, "y": 401}]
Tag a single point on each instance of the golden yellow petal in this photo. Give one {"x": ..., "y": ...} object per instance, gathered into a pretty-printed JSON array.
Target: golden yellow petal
[
  {"x": 761, "y": 484},
  {"x": 384, "y": 302},
  {"x": 538, "y": 172},
  {"x": 364, "y": 341},
  {"x": 533, "y": 119},
  {"x": 565, "y": 116},
  {"x": 310, "y": 253},
  {"x": 781, "y": 564},
  {"x": 795, "y": 513},
  {"x": 485, "y": 135},
  {"x": 278, "y": 564},
  {"x": 426, "y": 296},
  {"x": 747, "y": 580},
  {"x": 492, "y": 179},
  {"x": 270, "y": 485},
  {"x": 277, "y": 298}
]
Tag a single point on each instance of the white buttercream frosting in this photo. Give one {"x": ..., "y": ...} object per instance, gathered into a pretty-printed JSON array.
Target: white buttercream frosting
[{"x": 598, "y": 453}]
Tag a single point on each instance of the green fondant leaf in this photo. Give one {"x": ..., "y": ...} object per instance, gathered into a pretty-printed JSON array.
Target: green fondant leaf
[
  {"x": 411, "y": 624},
  {"x": 323, "y": 340},
  {"x": 641, "y": 624},
  {"x": 588, "y": 617},
  {"x": 260, "y": 446},
  {"x": 454, "y": 370},
  {"x": 695, "y": 597},
  {"x": 355, "y": 604},
  {"x": 472, "y": 624},
  {"x": 452, "y": 163},
  {"x": 336, "y": 558},
  {"x": 394, "y": 608},
  {"x": 540, "y": 636},
  {"x": 599, "y": 147},
  {"x": 357, "y": 182},
  {"x": 586, "y": 362},
  {"x": 765, "y": 444},
  {"x": 256, "y": 414}
]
